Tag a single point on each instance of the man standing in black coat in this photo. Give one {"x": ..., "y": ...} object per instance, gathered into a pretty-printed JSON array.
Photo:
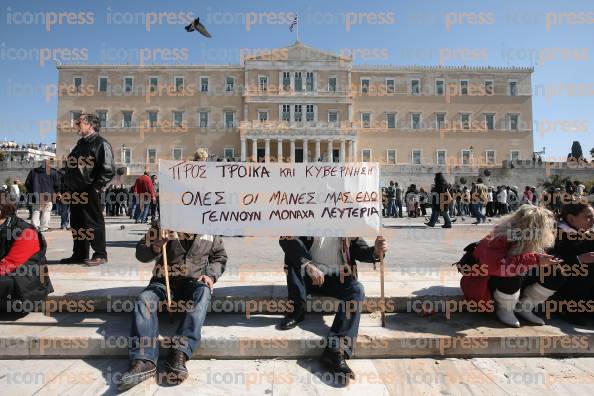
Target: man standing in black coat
[
  {"x": 89, "y": 167},
  {"x": 42, "y": 185}
]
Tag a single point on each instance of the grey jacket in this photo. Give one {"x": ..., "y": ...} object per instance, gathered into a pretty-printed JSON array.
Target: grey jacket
[{"x": 206, "y": 256}]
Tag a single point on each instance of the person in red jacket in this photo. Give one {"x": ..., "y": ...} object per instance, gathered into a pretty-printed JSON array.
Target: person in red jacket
[
  {"x": 145, "y": 195},
  {"x": 511, "y": 258}
]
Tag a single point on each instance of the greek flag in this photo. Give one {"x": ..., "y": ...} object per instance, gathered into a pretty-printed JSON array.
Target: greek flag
[{"x": 293, "y": 23}]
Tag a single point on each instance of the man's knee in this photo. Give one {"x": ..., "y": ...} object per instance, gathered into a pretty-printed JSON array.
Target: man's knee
[
  {"x": 357, "y": 291},
  {"x": 201, "y": 295}
]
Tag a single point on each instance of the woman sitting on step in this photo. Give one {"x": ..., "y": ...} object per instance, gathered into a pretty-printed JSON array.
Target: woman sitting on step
[
  {"x": 575, "y": 245},
  {"x": 510, "y": 258}
]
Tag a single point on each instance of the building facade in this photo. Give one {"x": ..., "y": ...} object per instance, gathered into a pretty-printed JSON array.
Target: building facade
[{"x": 302, "y": 104}]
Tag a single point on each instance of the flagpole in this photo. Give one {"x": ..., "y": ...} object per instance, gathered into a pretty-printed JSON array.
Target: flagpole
[{"x": 297, "y": 27}]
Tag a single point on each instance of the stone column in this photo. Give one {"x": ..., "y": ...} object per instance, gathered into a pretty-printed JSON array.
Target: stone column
[
  {"x": 243, "y": 150},
  {"x": 355, "y": 154},
  {"x": 317, "y": 150},
  {"x": 267, "y": 150},
  {"x": 279, "y": 150},
  {"x": 329, "y": 152},
  {"x": 255, "y": 150},
  {"x": 305, "y": 153},
  {"x": 293, "y": 150},
  {"x": 342, "y": 150}
]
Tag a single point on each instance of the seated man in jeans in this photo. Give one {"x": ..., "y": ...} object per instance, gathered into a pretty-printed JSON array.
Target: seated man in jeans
[
  {"x": 195, "y": 263},
  {"x": 326, "y": 265}
]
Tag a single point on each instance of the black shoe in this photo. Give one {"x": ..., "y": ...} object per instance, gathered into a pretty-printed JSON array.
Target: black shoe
[
  {"x": 446, "y": 226},
  {"x": 95, "y": 261},
  {"x": 73, "y": 260},
  {"x": 292, "y": 320},
  {"x": 176, "y": 365},
  {"x": 139, "y": 371},
  {"x": 430, "y": 225},
  {"x": 335, "y": 363}
]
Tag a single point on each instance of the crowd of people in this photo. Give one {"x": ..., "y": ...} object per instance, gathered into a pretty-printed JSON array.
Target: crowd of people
[{"x": 478, "y": 201}]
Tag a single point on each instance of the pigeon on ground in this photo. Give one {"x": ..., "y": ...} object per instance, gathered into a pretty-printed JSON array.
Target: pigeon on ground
[{"x": 197, "y": 26}]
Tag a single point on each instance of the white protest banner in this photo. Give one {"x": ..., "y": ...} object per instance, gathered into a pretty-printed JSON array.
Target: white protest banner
[{"x": 270, "y": 199}]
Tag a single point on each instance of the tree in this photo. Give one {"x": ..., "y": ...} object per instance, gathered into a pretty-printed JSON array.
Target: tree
[
  {"x": 555, "y": 181},
  {"x": 576, "y": 150},
  {"x": 592, "y": 152}
]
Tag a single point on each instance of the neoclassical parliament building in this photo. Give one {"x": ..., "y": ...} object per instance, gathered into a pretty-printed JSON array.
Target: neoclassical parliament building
[{"x": 302, "y": 104}]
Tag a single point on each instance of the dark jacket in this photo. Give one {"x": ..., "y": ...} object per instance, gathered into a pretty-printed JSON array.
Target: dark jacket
[
  {"x": 32, "y": 282},
  {"x": 297, "y": 252},
  {"x": 205, "y": 255},
  {"x": 569, "y": 244},
  {"x": 90, "y": 164},
  {"x": 42, "y": 180}
]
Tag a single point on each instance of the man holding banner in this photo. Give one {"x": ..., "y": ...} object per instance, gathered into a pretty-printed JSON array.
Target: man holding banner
[
  {"x": 196, "y": 261},
  {"x": 326, "y": 265}
]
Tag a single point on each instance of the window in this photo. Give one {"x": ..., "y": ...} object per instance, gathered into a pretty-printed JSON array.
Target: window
[
  {"x": 126, "y": 155},
  {"x": 74, "y": 117},
  {"x": 441, "y": 157},
  {"x": 515, "y": 155},
  {"x": 465, "y": 157},
  {"x": 229, "y": 84},
  {"x": 286, "y": 81},
  {"x": 177, "y": 153},
  {"x": 464, "y": 120},
  {"x": 489, "y": 87},
  {"x": 416, "y": 157},
  {"x": 229, "y": 119},
  {"x": 463, "y": 87},
  {"x": 513, "y": 88},
  {"x": 203, "y": 119},
  {"x": 309, "y": 112},
  {"x": 77, "y": 84},
  {"x": 440, "y": 120},
  {"x": 286, "y": 113},
  {"x": 152, "y": 119},
  {"x": 102, "y": 114},
  {"x": 128, "y": 84},
  {"x": 102, "y": 84},
  {"x": 331, "y": 84},
  {"x": 391, "y": 120},
  {"x": 298, "y": 115},
  {"x": 309, "y": 81},
  {"x": 203, "y": 84},
  {"x": 415, "y": 120},
  {"x": 391, "y": 157},
  {"x": 151, "y": 156},
  {"x": 126, "y": 119},
  {"x": 366, "y": 155},
  {"x": 262, "y": 116},
  {"x": 415, "y": 87},
  {"x": 263, "y": 81},
  {"x": 490, "y": 121},
  {"x": 390, "y": 86},
  {"x": 298, "y": 82},
  {"x": 366, "y": 120},
  {"x": 364, "y": 86},
  {"x": 154, "y": 84},
  {"x": 490, "y": 157},
  {"x": 513, "y": 122},
  {"x": 439, "y": 87},
  {"x": 333, "y": 116},
  {"x": 178, "y": 119},
  {"x": 179, "y": 84},
  {"x": 229, "y": 153}
]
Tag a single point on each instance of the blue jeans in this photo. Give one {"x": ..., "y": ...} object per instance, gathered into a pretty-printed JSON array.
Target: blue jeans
[
  {"x": 144, "y": 334},
  {"x": 391, "y": 207},
  {"x": 350, "y": 292},
  {"x": 142, "y": 211},
  {"x": 477, "y": 212},
  {"x": 65, "y": 216}
]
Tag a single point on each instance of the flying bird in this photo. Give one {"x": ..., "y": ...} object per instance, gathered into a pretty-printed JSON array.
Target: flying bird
[{"x": 197, "y": 26}]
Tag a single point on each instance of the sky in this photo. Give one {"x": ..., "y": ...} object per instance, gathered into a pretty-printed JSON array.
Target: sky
[{"x": 554, "y": 37}]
